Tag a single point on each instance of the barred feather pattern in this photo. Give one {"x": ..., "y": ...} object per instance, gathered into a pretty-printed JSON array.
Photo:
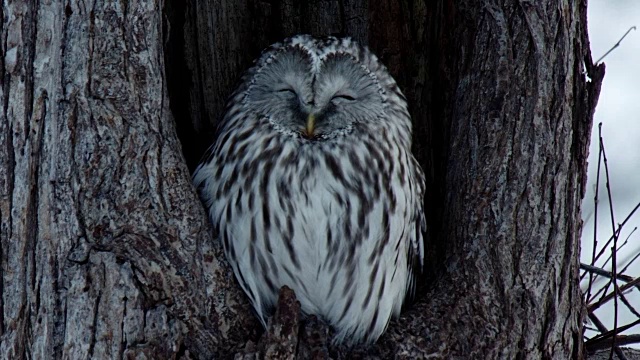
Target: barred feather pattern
[{"x": 337, "y": 217}]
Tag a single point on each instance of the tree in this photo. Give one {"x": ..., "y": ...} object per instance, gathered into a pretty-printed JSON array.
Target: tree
[{"x": 106, "y": 251}]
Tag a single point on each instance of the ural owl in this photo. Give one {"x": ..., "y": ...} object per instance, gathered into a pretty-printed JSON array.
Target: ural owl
[{"x": 311, "y": 184}]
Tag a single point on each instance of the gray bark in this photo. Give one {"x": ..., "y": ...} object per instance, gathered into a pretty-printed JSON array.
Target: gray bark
[{"x": 106, "y": 251}]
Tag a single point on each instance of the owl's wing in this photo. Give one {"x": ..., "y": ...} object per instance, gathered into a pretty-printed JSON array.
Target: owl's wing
[{"x": 416, "y": 250}]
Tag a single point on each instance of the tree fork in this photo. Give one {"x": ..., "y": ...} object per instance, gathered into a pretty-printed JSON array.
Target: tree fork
[{"x": 105, "y": 250}]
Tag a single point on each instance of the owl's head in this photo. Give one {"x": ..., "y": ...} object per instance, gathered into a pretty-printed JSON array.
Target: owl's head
[{"x": 322, "y": 88}]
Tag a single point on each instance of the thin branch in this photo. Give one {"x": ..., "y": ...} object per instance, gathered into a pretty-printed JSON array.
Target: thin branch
[
  {"x": 609, "y": 338},
  {"x": 605, "y": 288},
  {"x": 631, "y": 261},
  {"x": 595, "y": 278},
  {"x": 606, "y": 343},
  {"x": 614, "y": 248},
  {"x": 605, "y": 273},
  {"x": 616, "y": 45},
  {"x": 618, "y": 230},
  {"x": 589, "y": 344},
  {"x": 606, "y": 297},
  {"x": 618, "y": 248},
  {"x": 614, "y": 347},
  {"x": 590, "y": 328},
  {"x": 627, "y": 304},
  {"x": 595, "y": 217},
  {"x": 611, "y": 332}
]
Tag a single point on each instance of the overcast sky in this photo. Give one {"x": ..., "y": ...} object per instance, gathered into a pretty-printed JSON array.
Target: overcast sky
[{"x": 619, "y": 112}]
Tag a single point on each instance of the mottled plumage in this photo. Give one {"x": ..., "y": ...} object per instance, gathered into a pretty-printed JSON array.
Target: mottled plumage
[{"x": 311, "y": 183}]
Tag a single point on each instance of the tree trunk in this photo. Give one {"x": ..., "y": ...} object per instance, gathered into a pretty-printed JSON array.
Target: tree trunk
[{"x": 106, "y": 251}]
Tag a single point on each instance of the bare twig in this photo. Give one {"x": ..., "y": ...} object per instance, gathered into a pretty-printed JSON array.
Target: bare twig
[
  {"x": 607, "y": 274},
  {"x": 631, "y": 282},
  {"x": 606, "y": 298},
  {"x": 616, "y": 44},
  {"x": 593, "y": 342},
  {"x": 622, "y": 224},
  {"x": 618, "y": 293},
  {"x": 627, "y": 304},
  {"x": 624, "y": 269},
  {"x": 610, "y": 332},
  {"x": 606, "y": 343},
  {"x": 614, "y": 248},
  {"x": 609, "y": 338},
  {"x": 618, "y": 248},
  {"x": 595, "y": 217},
  {"x": 595, "y": 278}
]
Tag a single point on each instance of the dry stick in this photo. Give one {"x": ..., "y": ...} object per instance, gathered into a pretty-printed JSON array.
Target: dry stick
[
  {"x": 617, "y": 291},
  {"x": 598, "y": 343},
  {"x": 605, "y": 299},
  {"x": 615, "y": 300},
  {"x": 632, "y": 283},
  {"x": 589, "y": 328},
  {"x": 620, "y": 340},
  {"x": 620, "y": 273},
  {"x": 595, "y": 218},
  {"x": 605, "y": 273},
  {"x": 614, "y": 248},
  {"x": 627, "y": 304},
  {"x": 601, "y": 154},
  {"x": 610, "y": 257},
  {"x": 589, "y": 344},
  {"x": 595, "y": 278},
  {"x": 622, "y": 224},
  {"x": 610, "y": 332},
  {"x": 620, "y": 293},
  {"x": 604, "y": 289},
  {"x": 618, "y": 248},
  {"x": 616, "y": 45},
  {"x": 632, "y": 260}
]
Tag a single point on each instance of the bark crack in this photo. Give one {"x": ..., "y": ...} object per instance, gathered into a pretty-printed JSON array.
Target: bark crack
[
  {"x": 94, "y": 324},
  {"x": 31, "y": 25},
  {"x": 92, "y": 25},
  {"x": 123, "y": 338}
]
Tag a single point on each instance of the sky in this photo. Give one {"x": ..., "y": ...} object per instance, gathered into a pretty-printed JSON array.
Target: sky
[{"x": 619, "y": 112}]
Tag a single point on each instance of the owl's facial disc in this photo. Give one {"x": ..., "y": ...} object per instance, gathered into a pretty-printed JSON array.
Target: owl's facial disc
[{"x": 311, "y": 94}]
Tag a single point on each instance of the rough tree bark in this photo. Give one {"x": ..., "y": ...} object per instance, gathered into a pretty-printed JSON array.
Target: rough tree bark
[{"x": 106, "y": 251}]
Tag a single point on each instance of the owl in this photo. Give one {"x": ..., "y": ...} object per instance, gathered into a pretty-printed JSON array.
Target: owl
[{"x": 311, "y": 184}]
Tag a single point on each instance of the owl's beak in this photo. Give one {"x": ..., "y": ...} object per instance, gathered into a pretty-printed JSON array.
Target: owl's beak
[{"x": 311, "y": 125}]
